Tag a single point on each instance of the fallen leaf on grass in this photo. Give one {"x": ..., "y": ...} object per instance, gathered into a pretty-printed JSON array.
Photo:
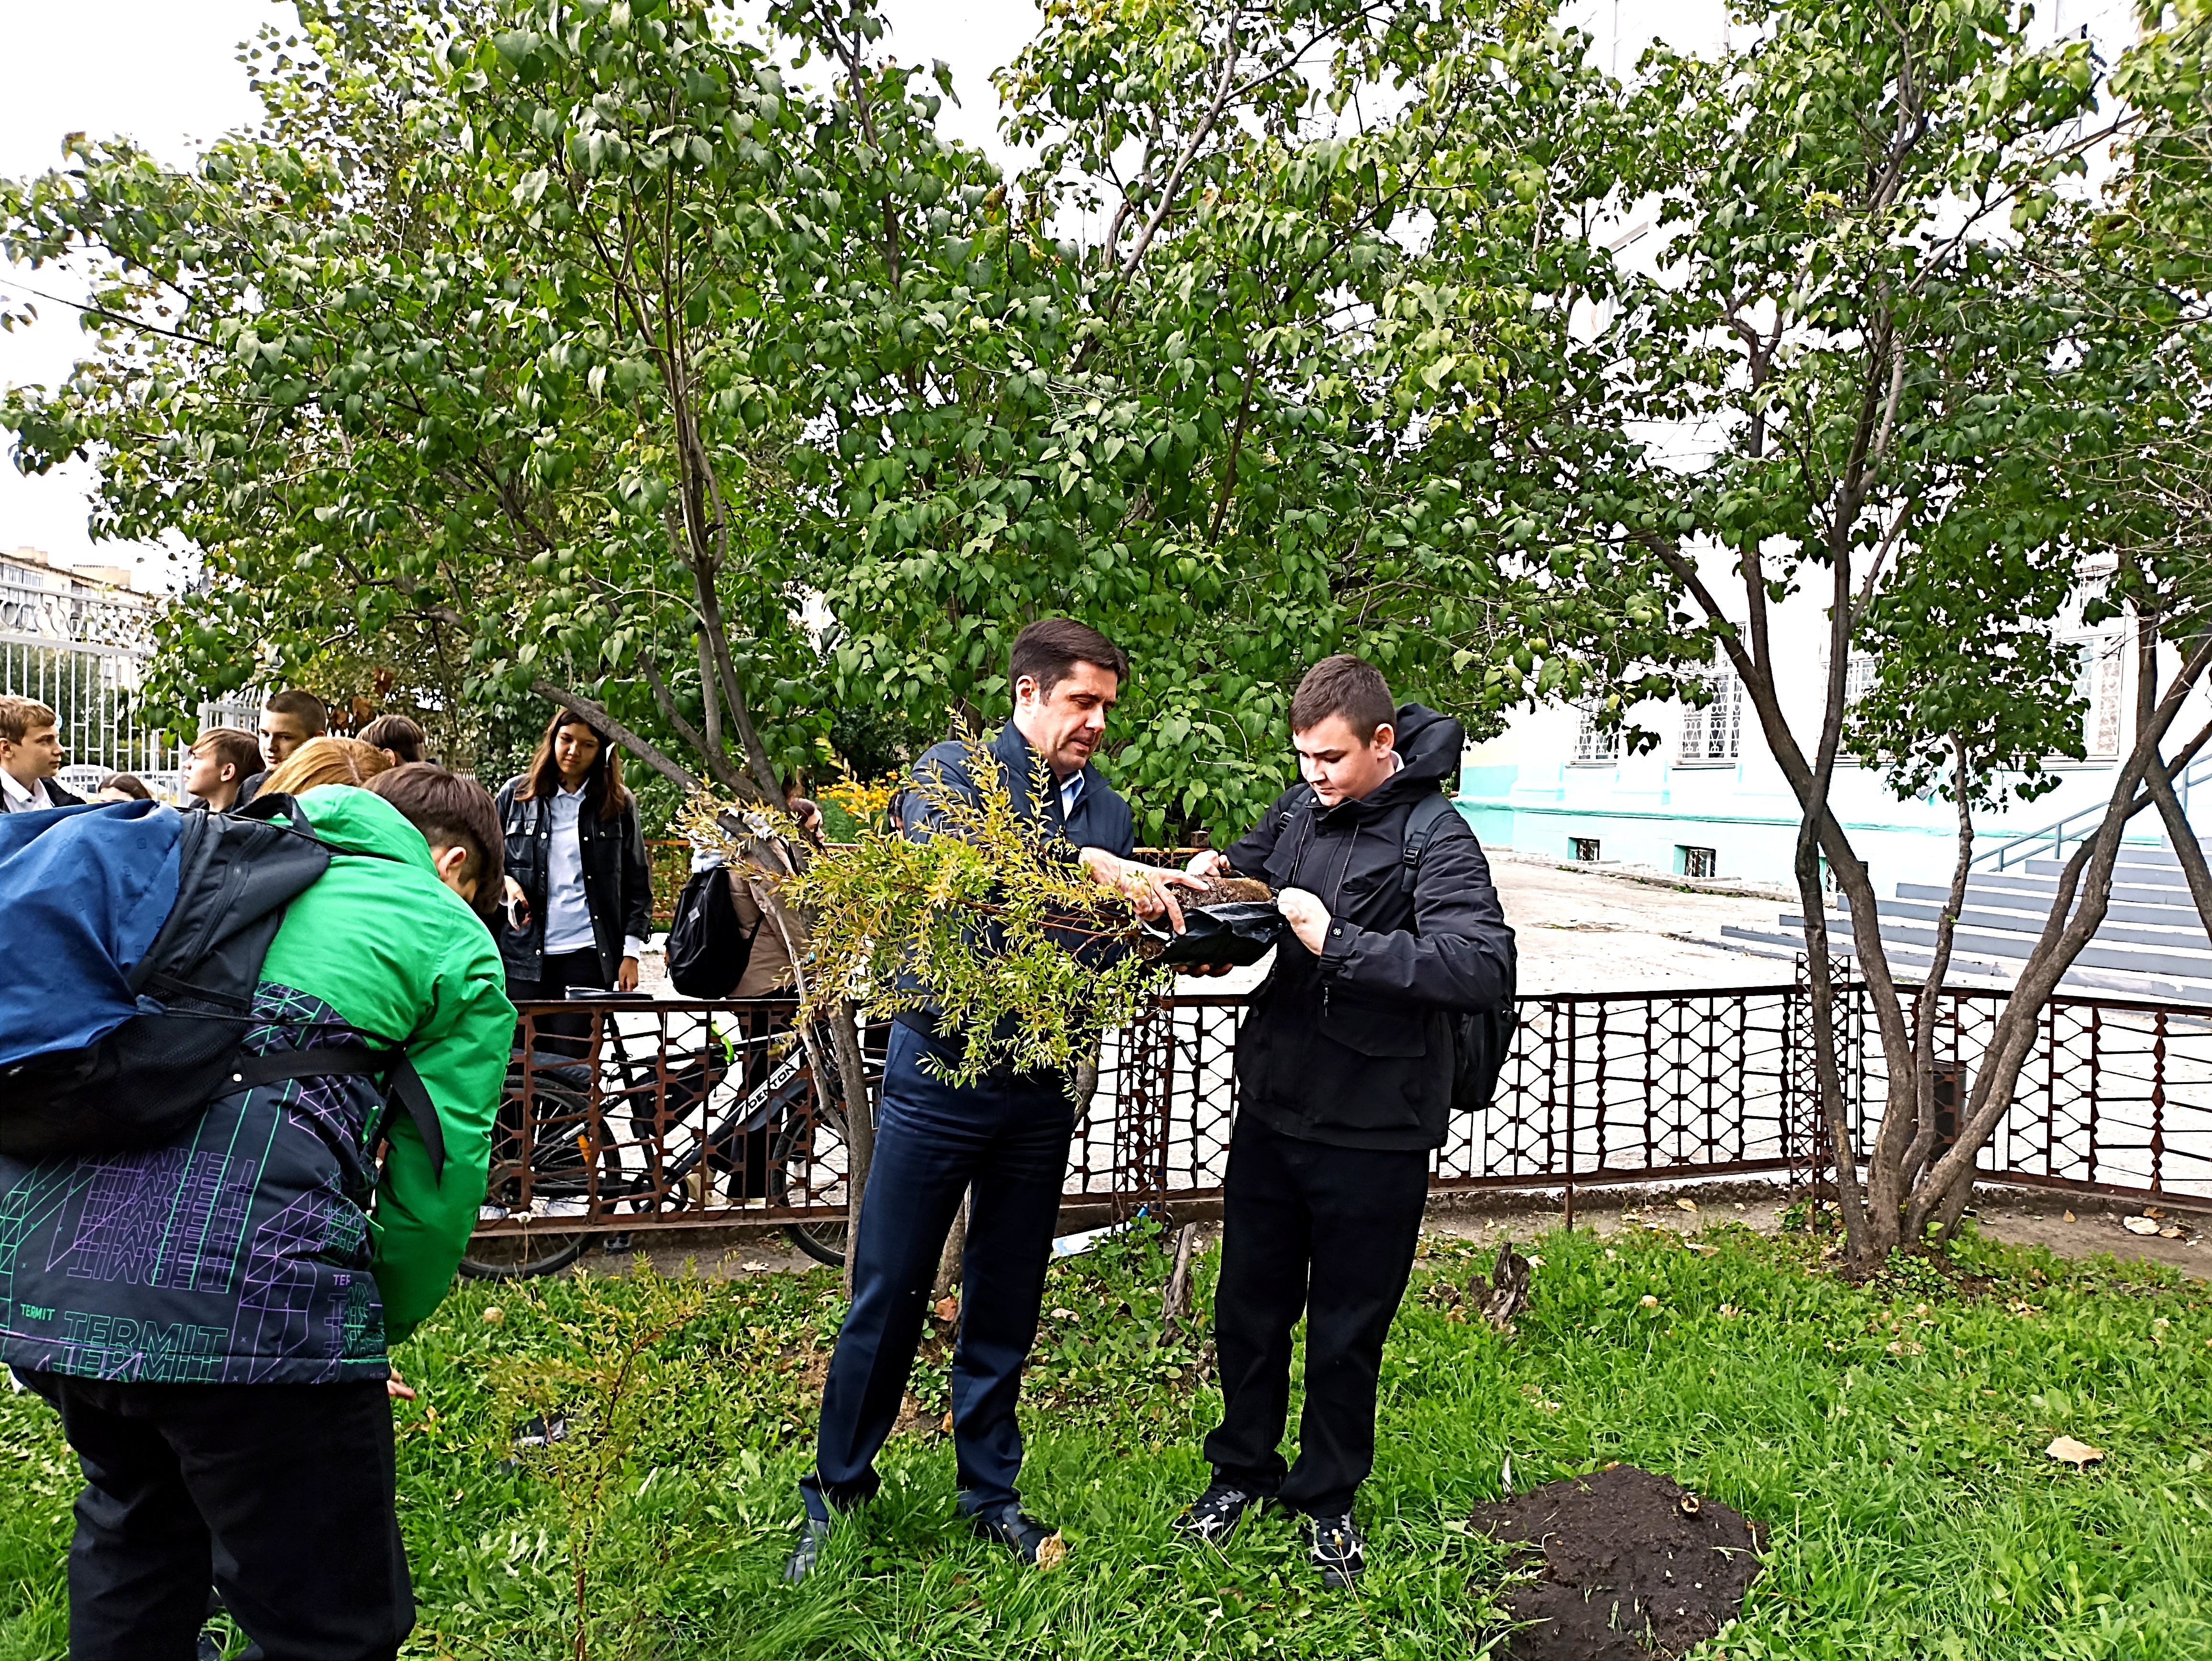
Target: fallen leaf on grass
[
  {"x": 2139, "y": 1225},
  {"x": 1686, "y": 1205},
  {"x": 1052, "y": 1553},
  {"x": 947, "y": 1308},
  {"x": 2067, "y": 1451}
]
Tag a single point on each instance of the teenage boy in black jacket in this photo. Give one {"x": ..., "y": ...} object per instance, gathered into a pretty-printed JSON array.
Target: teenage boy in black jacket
[{"x": 1343, "y": 1073}]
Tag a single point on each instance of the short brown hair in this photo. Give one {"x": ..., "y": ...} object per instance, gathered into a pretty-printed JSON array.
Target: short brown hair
[
  {"x": 20, "y": 717},
  {"x": 396, "y": 734},
  {"x": 1049, "y": 647},
  {"x": 1344, "y": 685},
  {"x": 450, "y": 811},
  {"x": 326, "y": 761},
  {"x": 233, "y": 748},
  {"x": 129, "y": 783},
  {"x": 314, "y": 714}
]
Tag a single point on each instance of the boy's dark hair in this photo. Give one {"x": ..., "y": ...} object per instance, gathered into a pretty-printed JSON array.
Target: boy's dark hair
[
  {"x": 450, "y": 811},
  {"x": 20, "y": 717},
  {"x": 1343, "y": 685},
  {"x": 313, "y": 714},
  {"x": 129, "y": 783},
  {"x": 396, "y": 734},
  {"x": 1049, "y": 647},
  {"x": 233, "y": 747}
]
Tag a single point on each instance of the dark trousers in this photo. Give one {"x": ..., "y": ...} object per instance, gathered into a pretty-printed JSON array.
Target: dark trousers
[
  {"x": 561, "y": 1035},
  {"x": 283, "y": 1495},
  {"x": 1008, "y": 1139},
  {"x": 1328, "y": 1233}
]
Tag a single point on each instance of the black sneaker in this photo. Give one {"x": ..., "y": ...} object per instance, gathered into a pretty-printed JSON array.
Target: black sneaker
[
  {"x": 1214, "y": 1515},
  {"x": 1335, "y": 1547},
  {"x": 813, "y": 1535},
  {"x": 1012, "y": 1528}
]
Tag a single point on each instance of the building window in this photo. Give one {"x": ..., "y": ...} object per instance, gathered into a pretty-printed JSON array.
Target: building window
[
  {"x": 1584, "y": 849},
  {"x": 1698, "y": 861},
  {"x": 2097, "y": 683},
  {"x": 1594, "y": 747},
  {"x": 1714, "y": 733}
]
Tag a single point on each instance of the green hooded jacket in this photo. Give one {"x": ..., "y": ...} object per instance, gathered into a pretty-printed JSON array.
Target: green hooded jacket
[{"x": 263, "y": 1244}]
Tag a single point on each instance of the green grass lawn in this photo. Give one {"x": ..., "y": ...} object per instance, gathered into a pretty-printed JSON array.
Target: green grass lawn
[{"x": 1889, "y": 1436}]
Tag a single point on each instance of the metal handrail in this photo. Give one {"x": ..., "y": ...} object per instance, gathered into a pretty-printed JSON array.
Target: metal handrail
[{"x": 2054, "y": 837}]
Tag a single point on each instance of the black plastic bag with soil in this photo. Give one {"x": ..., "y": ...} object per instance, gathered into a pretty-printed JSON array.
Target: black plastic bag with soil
[
  {"x": 1634, "y": 1565},
  {"x": 1231, "y": 920}
]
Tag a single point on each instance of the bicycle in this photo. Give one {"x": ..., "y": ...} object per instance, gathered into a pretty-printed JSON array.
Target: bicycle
[{"x": 773, "y": 1138}]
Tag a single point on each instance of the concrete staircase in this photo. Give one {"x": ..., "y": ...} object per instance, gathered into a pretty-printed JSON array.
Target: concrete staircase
[{"x": 2152, "y": 944}]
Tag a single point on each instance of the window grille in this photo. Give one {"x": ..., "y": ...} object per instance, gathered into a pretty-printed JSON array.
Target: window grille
[
  {"x": 1714, "y": 733},
  {"x": 1593, "y": 745}
]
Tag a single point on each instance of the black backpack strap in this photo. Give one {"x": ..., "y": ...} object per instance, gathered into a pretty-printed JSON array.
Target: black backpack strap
[
  {"x": 352, "y": 1060},
  {"x": 1421, "y": 824},
  {"x": 1298, "y": 816}
]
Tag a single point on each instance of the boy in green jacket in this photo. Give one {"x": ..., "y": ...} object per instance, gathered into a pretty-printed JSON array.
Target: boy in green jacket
[{"x": 211, "y": 1316}]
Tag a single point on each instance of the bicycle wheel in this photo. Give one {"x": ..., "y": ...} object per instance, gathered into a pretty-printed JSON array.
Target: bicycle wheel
[
  {"x": 807, "y": 1165},
  {"x": 521, "y": 1256},
  {"x": 542, "y": 1245}
]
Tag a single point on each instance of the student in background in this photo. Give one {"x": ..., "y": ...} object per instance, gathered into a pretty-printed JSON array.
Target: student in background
[
  {"x": 397, "y": 736},
  {"x": 289, "y": 720},
  {"x": 578, "y": 891},
  {"x": 31, "y": 754},
  {"x": 122, "y": 787},
  {"x": 223, "y": 758},
  {"x": 325, "y": 761}
]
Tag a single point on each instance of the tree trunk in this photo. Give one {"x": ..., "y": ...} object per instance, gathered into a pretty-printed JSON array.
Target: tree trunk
[{"x": 1941, "y": 1199}]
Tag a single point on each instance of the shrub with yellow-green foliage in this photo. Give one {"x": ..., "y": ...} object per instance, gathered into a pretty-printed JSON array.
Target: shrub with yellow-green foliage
[{"x": 990, "y": 920}]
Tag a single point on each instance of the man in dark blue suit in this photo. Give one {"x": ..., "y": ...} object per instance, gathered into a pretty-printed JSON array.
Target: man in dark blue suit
[{"x": 1006, "y": 1137}]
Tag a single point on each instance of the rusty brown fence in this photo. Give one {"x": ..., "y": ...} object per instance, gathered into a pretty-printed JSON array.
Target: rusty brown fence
[{"x": 624, "y": 1114}]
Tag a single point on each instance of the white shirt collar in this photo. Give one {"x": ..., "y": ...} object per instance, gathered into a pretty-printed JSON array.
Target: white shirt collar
[{"x": 23, "y": 798}]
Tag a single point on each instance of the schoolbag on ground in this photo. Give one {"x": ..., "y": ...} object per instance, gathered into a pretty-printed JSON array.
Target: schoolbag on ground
[
  {"x": 707, "y": 947},
  {"x": 142, "y": 931}
]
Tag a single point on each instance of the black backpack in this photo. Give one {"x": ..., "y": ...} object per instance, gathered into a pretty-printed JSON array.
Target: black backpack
[
  {"x": 145, "y": 1081},
  {"x": 708, "y": 948},
  {"x": 1481, "y": 1038}
]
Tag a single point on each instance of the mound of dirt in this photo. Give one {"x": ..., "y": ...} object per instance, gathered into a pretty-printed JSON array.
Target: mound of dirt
[{"x": 1634, "y": 1565}]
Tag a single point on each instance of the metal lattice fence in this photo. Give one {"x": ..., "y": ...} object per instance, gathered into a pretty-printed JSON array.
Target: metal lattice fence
[{"x": 629, "y": 1113}]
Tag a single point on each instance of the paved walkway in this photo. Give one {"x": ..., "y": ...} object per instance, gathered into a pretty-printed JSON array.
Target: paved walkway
[{"x": 1585, "y": 930}]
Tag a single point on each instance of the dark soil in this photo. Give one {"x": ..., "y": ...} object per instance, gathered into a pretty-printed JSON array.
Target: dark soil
[{"x": 1628, "y": 1574}]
